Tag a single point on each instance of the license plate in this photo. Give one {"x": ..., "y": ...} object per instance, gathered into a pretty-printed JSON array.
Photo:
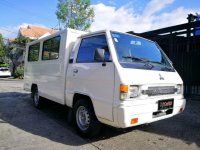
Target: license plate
[{"x": 165, "y": 104}]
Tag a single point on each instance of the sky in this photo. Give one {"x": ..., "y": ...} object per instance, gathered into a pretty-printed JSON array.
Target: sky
[{"x": 120, "y": 15}]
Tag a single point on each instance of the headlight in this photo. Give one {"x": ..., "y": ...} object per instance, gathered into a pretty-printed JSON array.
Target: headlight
[
  {"x": 133, "y": 91},
  {"x": 179, "y": 89},
  {"x": 128, "y": 91}
]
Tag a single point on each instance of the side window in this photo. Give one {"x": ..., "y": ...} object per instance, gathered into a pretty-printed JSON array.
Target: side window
[
  {"x": 51, "y": 48},
  {"x": 33, "y": 52},
  {"x": 88, "y": 47}
]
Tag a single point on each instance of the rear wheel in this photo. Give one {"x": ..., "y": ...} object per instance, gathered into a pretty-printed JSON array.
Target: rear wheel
[
  {"x": 85, "y": 119},
  {"x": 36, "y": 98}
]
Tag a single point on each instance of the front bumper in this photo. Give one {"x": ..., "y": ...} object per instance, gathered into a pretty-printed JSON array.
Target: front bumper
[{"x": 144, "y": 113}]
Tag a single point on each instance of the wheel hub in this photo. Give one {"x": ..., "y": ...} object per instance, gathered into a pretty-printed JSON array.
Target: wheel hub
[{"x": 82, "y": 118}]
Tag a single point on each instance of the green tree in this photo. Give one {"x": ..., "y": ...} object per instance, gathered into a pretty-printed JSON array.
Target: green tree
[
  {"x": 75, "y": 14},
  {"x": 2, "y": 49},
  {"x": 21, "y": 41}
]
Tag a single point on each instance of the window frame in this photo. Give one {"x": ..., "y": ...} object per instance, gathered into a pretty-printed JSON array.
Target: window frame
[
  {"x": 76, "y": 58},
  {"x": 43, "y": 43},
  {"x": 28, "y": 58}
]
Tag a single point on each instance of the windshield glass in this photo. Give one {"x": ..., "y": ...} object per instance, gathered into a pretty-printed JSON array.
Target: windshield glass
[{"x": 134, "y": 49}]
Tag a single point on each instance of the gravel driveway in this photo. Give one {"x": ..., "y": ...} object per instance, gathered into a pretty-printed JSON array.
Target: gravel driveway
[{"x": 24, "y": 127}]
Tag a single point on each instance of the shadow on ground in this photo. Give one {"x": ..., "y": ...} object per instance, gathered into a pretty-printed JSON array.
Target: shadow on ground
[{"x": 17, "y": 110}]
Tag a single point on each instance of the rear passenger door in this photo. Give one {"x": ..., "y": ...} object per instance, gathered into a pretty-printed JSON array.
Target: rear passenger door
[
  {"x": 93, "y": 78},
  {"x": 51, "y": 69}
]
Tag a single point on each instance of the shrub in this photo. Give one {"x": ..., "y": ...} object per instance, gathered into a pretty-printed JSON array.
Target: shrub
[
  {"x": 19, "y": 73},
  {"x": 4, "y": 65}
]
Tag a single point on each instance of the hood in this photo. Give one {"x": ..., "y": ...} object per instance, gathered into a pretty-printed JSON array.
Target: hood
[{"x": 132, "y": 76}]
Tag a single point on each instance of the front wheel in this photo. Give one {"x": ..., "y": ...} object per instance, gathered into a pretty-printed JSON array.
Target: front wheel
[{"x": 85, "y": 119}]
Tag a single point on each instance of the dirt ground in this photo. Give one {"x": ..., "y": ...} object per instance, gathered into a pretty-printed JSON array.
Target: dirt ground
[{"x": 24, "y": 127}]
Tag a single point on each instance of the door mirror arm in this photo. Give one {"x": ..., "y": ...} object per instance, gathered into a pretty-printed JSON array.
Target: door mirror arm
[
  {"x": 99, "y": 56},
  {"x": 104, "y": 63}
]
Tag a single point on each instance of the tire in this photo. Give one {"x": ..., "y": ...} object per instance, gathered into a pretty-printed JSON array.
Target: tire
[
  {"x": 37, "y": 100},
  {"x": 85, "y": 120}
]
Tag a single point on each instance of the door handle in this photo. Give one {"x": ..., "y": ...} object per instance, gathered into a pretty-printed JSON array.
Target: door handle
[{"x": 75, "y": 70}]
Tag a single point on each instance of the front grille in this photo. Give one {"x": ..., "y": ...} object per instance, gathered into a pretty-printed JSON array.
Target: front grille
[{"x": 161, "y": 90}]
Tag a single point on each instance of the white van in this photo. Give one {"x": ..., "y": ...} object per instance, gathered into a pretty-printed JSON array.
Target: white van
[{"x": 105, "y": 77}]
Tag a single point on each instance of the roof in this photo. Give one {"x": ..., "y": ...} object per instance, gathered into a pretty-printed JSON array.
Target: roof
[
  {"x": 56, "y": 34},
  {"x": 11, "y": 40},
  {"x": 35, "y": 32}
]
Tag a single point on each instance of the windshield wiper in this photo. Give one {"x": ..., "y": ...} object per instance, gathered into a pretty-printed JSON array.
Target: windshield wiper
[
  {"x": 165, "y": 67},
  {"x": 147, "y": 62},
  {"x": 157, "y": 62},
  {"x": 136, "y": 58}
]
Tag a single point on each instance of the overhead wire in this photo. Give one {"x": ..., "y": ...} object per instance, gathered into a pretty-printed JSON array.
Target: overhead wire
[
  {"x": 5, "y": 29},
  {"x": 9, "y": 4},
  {"x": 27, "y": 12}
]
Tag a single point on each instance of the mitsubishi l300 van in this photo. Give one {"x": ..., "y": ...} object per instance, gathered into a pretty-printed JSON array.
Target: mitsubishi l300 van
[{"x": 104, "y": 77}]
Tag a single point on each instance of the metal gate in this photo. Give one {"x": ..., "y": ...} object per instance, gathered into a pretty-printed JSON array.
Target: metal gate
[{"x": 186, "y": 60}]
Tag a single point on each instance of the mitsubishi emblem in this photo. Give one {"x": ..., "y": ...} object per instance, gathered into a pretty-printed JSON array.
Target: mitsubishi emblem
[{"x": 161, "y": 78}]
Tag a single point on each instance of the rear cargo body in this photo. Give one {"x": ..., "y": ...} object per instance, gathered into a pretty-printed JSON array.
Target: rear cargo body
[{"x": 50, "y": 75}]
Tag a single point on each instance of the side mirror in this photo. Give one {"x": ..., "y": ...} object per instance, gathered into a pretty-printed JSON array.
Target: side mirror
[{"x": 99, "y": 54}]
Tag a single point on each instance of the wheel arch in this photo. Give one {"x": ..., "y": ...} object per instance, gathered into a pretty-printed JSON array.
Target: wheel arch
[{"x": 78, "y": 96}]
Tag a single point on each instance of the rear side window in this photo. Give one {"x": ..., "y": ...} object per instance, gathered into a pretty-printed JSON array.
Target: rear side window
[
  {"x": 51, "y": 48},
  {"x": 33, "y": 53},
  {"x": 88, "y": 47}
]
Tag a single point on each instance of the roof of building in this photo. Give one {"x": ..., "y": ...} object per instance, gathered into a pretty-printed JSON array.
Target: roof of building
[
  {"x": 35, "y": 32},
  {"x": 11, "y": 40}
]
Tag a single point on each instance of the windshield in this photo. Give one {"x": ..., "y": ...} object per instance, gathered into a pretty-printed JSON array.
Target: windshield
[{"x": 132, "y": 49}]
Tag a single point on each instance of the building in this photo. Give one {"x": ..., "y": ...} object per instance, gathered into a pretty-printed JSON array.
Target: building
[{"x": 35, "y": 32}]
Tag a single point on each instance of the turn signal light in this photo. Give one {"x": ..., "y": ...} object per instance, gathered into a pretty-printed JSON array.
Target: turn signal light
[
  {"x": 134, "y": 120},
  {"x": 123, "y": 88}
]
